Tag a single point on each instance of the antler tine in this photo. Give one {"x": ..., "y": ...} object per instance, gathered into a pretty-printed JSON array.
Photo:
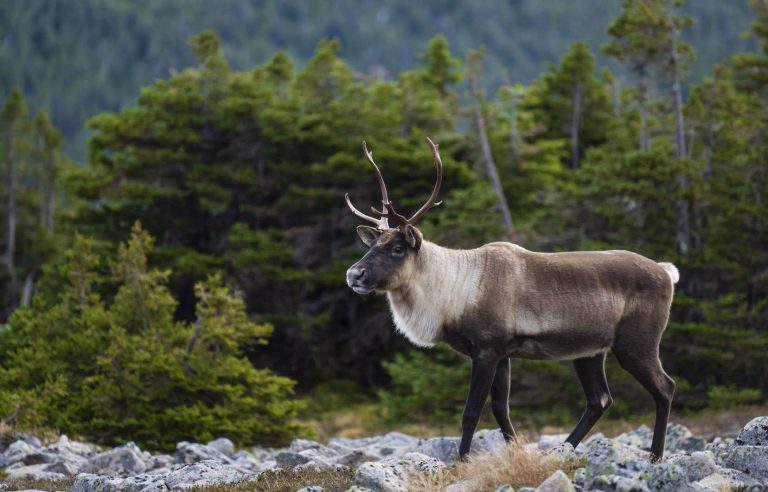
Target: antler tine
[
  {"x": 382, "y": 223},
  {"x": 435, "y": 191},
  {"x": 380, "y": 178}
]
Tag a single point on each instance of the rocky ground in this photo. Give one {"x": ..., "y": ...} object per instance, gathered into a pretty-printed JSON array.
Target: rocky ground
[{"x": 387, "y": 463}]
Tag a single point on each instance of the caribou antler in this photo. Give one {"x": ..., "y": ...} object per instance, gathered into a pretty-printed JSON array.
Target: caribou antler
[
  {"x": 402, "y": 220},
  {"x": 383, "y": 222},
  {"x": 388, "y": 208}
]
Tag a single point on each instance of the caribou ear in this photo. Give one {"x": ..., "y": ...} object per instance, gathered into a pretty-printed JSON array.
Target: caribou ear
[
  {"x": 413, "y": 237},
  {"x": 368, "y": 234}
]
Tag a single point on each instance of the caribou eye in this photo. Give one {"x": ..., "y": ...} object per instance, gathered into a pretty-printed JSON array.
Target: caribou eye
[{"x": 398, "y": 251}]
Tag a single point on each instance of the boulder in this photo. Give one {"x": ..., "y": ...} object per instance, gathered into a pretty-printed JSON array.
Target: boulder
[
  {"x": 445, "y": 449},
  {"x": 32, "y": 472},
  {"x": 697, "y": 465},
  {"x": 608, "y": 460},
  {"x": 679, "y": 438},
  {"x": 206, "y": 472},
  {"x": 549, "y": 441},
  {"x": 752, "y": 460},
  {"x": 87, "y": 482},
  {"x": 557, "y": 482},
  {"x": 311, "y": 488},
  {"x": 122, "y": 461},
  {"x": 669, "y": 477},
  {"x": 392, "y": 444},
  {"x": 62, "y": 467},
  {"x": 755, "y": 433},
  {"x": 393, "y": 474},
  {"x": 223, "y": 446},
  {"x": 725, "y": 479},
  {"x": 17, "y": 451},
  {"x": 191, "y": 452}
]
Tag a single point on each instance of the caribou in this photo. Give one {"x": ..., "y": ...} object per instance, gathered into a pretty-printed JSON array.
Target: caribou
[{"x": 500, "y": 301}]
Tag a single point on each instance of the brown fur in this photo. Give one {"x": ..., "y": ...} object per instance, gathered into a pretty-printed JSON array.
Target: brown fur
[{"x": 501, "y": 301}]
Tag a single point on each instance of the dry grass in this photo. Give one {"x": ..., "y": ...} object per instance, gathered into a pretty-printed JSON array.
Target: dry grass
[
  {"x": 285, "y": 480},
  {"x": 49, "y": 485},
  {"x": 514, "y": 465}
]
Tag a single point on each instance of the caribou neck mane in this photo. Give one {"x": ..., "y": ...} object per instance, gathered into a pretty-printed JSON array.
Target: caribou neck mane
[{"x": 444, "y": 283}]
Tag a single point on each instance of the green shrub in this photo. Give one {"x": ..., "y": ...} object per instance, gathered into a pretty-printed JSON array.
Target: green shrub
[{"x": 122, "y": 369}]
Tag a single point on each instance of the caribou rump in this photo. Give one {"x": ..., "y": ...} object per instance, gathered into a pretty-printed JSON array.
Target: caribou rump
[{"x": 501, "y": 300}]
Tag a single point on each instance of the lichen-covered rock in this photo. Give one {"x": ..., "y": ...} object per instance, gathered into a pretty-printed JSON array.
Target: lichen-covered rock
[
  {"x": 557, "y": 482},
  {"x": 669, "y": 477},
  {"x": 608, "y": 457},
  {"x": 66, "y": 446},
  {"x": 550, "y": 441},
  {"x": 33, "y": 472},
  {"x": 749, "y": 459},
  {"x": 680, "y": 438},
  {"x": 298, "y": 445},
  {"x": 639, "y": 438},
  {"x": 17, "y": 451},
  {"x": 563, "y": 452},
  {"x": 191, "y": 452},
  {"x": 311, "y": 488},
  {"x": 445, "y": 449},
  {"x": 393, "y": 474},
  {"x": 122, "y": 461},
  {"x": 223, "y": 446},
  {"x": 158, "y": 461},
  {"x": 87, "y": 482},
  {"x": 755, "y": 433},
  {"x": 392, "y": 444},
  {"x": 62, "y": 467},
  {"x": 697, "y": 465},
  {"x": 619, "y": 484},
  {"x": 725, "y": 480},
  {"x": 206, "y": 473}
]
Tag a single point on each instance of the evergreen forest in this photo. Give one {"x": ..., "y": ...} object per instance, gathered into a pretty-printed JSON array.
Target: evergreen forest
[{"x": 174, "y": 235}]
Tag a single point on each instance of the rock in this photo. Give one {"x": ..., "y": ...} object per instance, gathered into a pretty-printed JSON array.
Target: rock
[
  {"x": 679, "y": 438},
  {"x": 557, "y": 482},
  {"x": 547, "y": 442},
  {"x": 158, "y": 461},
  {"x": 749, "y": 459},
  {"x": 669, "y": 477},
  {"x": 725, "y": 479},
  {"x": 62, "y": 467},
  {"x": 311, "y": 488},
  {"x": 509, "y": 488},
  {"x": 298, "y": 445},
  {"x": 608, "y": 460},
  {"x": 392, "y": 474},
  {"x": 309, "y": 466},
  {"x": 17, "y": 451},
  {"x": 445, "y": 449},
  {"x": 619, "y": 483},
  {"x": 206, "y": 473},
  {"x": 563, "y": 452},
  {"x": 755, "y": 433},
  {"x": 191, "y": 452},
  {"x": 354, "y": 458},
  {"x": 697, "y": 465},
  {"x": 65, "y": 446},
  {"x": 462, "y": 486},
  {"x": 639, "y": 438},
  {"x": 356, "y": 488},
  {"x": 87, "y": 482},
  {"x": 32, "y": 472},
  {"x": 122, "y": 461},
  {"x": 392, "y": 444},
  {"x": 223, "y": 446}
]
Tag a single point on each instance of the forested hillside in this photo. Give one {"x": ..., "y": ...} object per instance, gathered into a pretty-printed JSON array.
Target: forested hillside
[
  {"x": 200, "y": 252},
  {"x": 79, "y": 58}
]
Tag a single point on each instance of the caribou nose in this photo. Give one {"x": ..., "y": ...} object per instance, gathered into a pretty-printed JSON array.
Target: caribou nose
[{"x": 354, "y": 274}]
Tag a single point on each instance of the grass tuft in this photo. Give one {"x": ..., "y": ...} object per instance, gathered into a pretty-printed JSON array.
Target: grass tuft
[
  {"x": 30, "y": 484},
  {"x": 514, "y": 465}
]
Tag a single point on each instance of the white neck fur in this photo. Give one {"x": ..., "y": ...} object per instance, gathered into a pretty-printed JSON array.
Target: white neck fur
[{"x": 444, "y": 284}]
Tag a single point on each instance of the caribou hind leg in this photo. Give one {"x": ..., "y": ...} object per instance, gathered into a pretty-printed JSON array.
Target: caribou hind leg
[
  {"x": 638, "y": 353},
  {"x": 500, "y": 400},
  {"x": 591, "y": 373}
]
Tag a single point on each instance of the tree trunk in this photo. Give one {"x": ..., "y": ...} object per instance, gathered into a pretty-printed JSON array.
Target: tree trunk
[
  {"x": 645, "y": 138},
  {"x": 10, "y": 244},
  {"x": 490, "y": 164},
  {"x": 26, "y": 292},
  {"x": 683, "y": 232},
  {"x": 575, "y": 122}
]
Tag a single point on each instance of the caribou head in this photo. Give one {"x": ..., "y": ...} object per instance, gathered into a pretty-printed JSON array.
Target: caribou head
[{"x": 392, "y": 250}]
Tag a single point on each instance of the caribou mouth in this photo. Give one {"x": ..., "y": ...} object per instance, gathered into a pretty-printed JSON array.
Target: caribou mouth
[{"x": 360, "y": 289}]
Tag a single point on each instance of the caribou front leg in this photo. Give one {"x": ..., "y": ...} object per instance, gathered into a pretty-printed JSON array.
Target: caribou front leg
[
  {"x": 500, "y": 400},
  {"x": 484, "y": 363}
]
